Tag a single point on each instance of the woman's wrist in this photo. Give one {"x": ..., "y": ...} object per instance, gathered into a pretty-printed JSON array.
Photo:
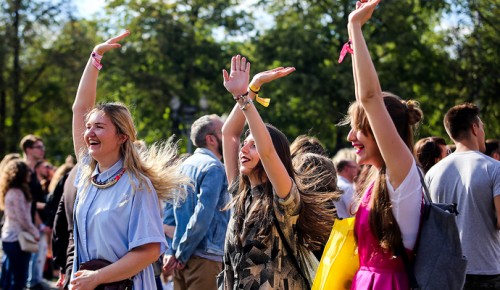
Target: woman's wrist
[
  {"x": 254, "y": 85},
  {"x": 96, "y": 59},
  {"x": 353, "y": 25}
]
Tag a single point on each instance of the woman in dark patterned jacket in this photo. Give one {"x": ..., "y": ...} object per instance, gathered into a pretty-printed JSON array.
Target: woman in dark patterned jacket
[{"x": 265, "y": 195}]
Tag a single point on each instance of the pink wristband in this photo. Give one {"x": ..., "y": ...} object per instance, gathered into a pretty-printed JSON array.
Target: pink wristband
[
  {"x": 345, "y": 49},
  {"x": 96, "y": 60}
]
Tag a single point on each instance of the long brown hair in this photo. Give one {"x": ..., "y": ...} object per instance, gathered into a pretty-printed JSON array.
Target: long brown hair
[
  {"x": 316, "y": 180},
  {"x": 405, "y": 115},
  {"x": 14, "y": 175},
  {"x": 241, "y": 188}
]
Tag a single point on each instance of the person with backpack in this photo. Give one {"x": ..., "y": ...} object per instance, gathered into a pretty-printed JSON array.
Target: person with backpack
[
  {"x": 471, "y": 180},
  {"x": 382, "y": 124},
  {"x": 262, "y": 242}
]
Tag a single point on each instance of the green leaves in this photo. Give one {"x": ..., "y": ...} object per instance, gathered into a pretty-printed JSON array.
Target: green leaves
[{"x": 437, "y": 52}]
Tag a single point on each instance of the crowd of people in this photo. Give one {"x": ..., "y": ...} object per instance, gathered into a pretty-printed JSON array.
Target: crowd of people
[{"x": 247, "y": 209}]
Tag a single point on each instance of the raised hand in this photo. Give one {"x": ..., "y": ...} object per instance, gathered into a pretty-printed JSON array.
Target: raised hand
[
  {"x": 270, "y": 75},
  {"x": 363, "y": 12},
  {"x": 111, "y": 43},
  {"x": 237, "y": 81}
]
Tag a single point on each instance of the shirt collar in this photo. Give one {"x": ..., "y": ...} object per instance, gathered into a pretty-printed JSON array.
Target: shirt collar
[
  {"x": 109, "y": 172},
  {"x": 207, "y": 152}
]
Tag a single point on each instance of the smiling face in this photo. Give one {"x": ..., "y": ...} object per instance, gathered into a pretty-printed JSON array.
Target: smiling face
[
  {"x": 367, "y": 151},
  {"x": 101, "y": 138},
  {"x": 249, "y": 158}
]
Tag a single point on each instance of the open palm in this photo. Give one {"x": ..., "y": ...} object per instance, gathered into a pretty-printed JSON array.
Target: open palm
[
  {"x": 237, "y": 81},
  {"x": 111, "y": 43},
  {"x": 270, "y": 75}
]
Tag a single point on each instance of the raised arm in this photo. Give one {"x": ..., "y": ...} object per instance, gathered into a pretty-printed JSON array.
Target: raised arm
[
  {"x": 86, "y": 94},
  {"x": 275, "y": 170},
  {"x": 236, "y": 83},
  {"x": 395, "y": 153}
]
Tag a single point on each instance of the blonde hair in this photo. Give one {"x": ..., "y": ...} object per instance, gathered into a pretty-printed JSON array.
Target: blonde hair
[
  {"x": 344, "y": 154},
  {"x": 153, "y": 163}
]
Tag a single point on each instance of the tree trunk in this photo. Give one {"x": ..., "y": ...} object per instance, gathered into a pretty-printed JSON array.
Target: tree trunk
[{"x": 16, "y": 79}]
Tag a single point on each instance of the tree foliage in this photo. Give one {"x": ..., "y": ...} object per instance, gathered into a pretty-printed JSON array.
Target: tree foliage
[{"x": 438, "y": 52}]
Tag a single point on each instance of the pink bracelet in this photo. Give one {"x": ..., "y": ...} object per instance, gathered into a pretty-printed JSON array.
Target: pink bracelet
[{"x": 96, "y": 60}]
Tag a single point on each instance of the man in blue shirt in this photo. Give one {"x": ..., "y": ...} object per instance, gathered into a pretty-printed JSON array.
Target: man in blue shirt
[{"x": 197, "y": 246}]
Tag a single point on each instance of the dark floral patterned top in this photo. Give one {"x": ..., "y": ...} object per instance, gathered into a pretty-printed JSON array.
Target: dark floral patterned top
[{"x": 252, "y": 264}]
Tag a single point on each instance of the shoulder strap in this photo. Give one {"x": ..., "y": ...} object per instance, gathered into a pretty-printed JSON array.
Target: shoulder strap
[
  {"x": 427, "y": 196},
  {"x": 289, "y": 249},
  {"x": 401, "y": 251}
]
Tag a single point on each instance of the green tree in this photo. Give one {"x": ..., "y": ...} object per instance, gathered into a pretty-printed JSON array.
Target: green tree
[
  {"x": 174, "y": 55},
  {"x": 475, "y": 44},
  {"x": 24, "y": 59},
  {"x": 309, "y": 35}
]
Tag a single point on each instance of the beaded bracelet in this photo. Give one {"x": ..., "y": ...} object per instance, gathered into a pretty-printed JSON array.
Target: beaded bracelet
[
  {"x": 246, "y": 104},
  {"x": 239, "y": 97},
  {"x": 96, "y": 60}
]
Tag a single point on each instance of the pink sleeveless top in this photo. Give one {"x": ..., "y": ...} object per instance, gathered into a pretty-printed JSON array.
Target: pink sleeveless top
[{"x": 378, "y": 269}]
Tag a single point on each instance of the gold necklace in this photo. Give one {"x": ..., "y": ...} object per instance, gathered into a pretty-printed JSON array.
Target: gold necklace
[{"x": 108, "y": 182}]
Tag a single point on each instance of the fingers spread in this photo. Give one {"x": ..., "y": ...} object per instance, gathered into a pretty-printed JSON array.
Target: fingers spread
[{"x": 233, "y": 63}]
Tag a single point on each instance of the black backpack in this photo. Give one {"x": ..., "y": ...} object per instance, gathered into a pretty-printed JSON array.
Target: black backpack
[{"x": 438, "y": 261}]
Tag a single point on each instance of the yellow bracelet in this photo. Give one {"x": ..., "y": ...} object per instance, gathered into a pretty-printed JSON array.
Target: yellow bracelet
[
  {"x": 263, "y": 101},
  {"x": 253, "y": 89}
]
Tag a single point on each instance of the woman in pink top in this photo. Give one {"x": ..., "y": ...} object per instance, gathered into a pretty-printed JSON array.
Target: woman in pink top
[
  {"x": 382, "y": 124},
  {"x": 15, "y": 200}
]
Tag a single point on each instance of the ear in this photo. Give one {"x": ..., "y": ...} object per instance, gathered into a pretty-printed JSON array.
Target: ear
[
  {"x": 123, "y": 138},
  {"x": 475, "y": 127},
  {"x": 209, "y": 139}
]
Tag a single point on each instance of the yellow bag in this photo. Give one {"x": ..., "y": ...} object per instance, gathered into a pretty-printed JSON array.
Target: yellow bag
[{"x": 340, "y": 259}]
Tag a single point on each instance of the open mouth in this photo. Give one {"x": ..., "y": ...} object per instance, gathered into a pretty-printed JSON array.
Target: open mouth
[
  {"x": 244, "y": 160},
  {"x": 358, "y": 148},
  {"x": 94, "y": 142}
]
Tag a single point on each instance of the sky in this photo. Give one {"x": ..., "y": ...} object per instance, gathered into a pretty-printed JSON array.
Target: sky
[{"x": 87, "y": 8}]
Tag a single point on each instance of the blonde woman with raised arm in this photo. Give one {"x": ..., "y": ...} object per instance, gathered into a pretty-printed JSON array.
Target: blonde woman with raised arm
[{"x": 117, "y": 212}]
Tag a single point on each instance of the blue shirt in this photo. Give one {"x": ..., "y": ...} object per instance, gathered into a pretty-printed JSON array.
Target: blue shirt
[
  {"x": 112, "y": 221},
  {"x": 200, "y": 220}
]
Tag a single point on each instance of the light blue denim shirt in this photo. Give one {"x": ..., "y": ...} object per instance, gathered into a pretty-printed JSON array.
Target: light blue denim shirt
[
  {"x": 200, "y": 221},
  {"x": 110, "y": 222}
]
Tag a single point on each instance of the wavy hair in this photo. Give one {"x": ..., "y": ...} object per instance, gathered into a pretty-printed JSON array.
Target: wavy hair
[
  {"x": 316, "y": 180},
  {"x": 153, "y": 163},
  {"x": 260, "y": 215},
  {"x": 405, "y": 115},
  {"x": 14, "y": 175}
]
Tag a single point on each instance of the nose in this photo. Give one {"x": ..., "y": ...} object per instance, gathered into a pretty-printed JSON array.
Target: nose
[
  {"x": 351, "y": 136},
  {"x": 89, "y": 131},
  {"x": 244, "y": 148}
]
